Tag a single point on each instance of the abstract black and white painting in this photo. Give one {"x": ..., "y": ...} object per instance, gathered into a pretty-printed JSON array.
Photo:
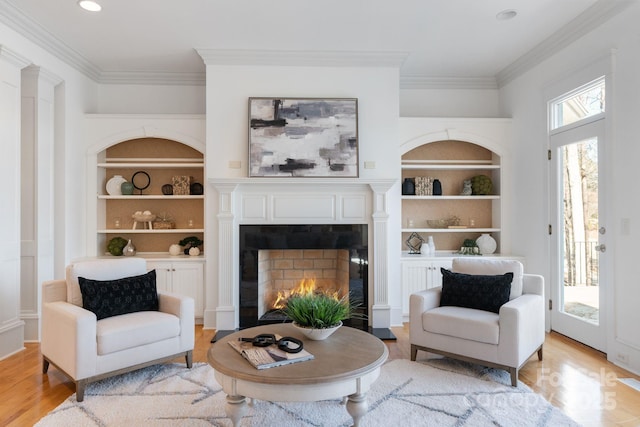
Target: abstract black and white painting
[{"x": 303, "y": 137}]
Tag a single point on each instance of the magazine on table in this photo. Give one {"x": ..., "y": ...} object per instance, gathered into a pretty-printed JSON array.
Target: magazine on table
[{"x": 268, "y": 357}]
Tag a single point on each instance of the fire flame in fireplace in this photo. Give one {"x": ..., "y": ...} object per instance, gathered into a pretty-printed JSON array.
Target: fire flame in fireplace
[{"x": 305, "y": 287}]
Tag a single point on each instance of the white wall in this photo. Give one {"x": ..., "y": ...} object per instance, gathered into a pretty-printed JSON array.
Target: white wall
[
  {"x": 73, "y": 95},
  {"x": 524, "y": 100},
  {"x": 228, "y": 90},
  {"x": 150, "y": 99},
  {"x": 78, "y": 94},
  {"x": 11, "y": 326},
  {"x": 449, "y": 103}
]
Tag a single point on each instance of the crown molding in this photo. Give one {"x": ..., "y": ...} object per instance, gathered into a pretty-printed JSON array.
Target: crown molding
[
  {"x": 594, "y": 16},
  {"x": 425, "y": 82},
  {"x": 19, "y": 22},
  {"x": 152, "y": 78},
  {"x": 37, "y": 72},
  {"x": 13, "y": 57},
  {"x": 302, "y": 58},
  {"x": 599, "y": 13}
]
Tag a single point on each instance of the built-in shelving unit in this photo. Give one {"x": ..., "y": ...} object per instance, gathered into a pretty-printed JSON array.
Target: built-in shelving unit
[
  {"x": 451, "y": 162},
  {"x": 161, "y": 159}
]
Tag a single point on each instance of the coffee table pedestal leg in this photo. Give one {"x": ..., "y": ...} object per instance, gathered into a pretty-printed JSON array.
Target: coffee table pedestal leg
[
  {"x": 357, "y": 407},
  {"x": 235, "y": 408}
]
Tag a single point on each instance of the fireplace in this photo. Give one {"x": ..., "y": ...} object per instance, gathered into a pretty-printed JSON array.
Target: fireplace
[
  {"x": 275, "y": 259},
  {"x": 237, "y": 203}
]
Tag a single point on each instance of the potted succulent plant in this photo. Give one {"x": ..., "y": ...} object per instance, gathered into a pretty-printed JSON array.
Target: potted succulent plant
[
  {"x": 319, "y": 314},
  {"x": 470, "y": 247},
  {"x": 189, "y": 243}
]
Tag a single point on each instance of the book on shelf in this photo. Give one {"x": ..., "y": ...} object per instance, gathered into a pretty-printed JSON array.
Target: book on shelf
[{"x": 268, "y": 357}]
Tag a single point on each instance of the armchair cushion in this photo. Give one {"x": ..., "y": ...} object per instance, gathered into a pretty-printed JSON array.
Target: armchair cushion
[
  {"x": 100, "y": 269},
  {"x": 481, "y": 292},
  {"x": 134, "y": 330},
  {"x": 107, "y": 298},
  {"x": 476, "y": 265},
  {"x": 466, "y": 323}
]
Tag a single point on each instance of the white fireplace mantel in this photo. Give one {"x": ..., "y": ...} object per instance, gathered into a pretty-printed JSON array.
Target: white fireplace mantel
[{"x": 299, "y": 201}]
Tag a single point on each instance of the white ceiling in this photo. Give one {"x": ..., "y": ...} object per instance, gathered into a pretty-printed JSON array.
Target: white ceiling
[{"x": 452, "y": 40}]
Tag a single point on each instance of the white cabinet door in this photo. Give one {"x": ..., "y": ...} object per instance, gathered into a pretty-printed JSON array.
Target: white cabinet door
[
  {"x": 163, "y": 274},
  {"x": 182, "y": 278},
  {"x": 188, "y": 279},
  {"x": 419, "y": 275},
  {"x": 436, "y": 275}
]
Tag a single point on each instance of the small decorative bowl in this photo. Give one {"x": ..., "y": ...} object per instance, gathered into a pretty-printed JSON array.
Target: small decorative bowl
[
  {"x": 143, "y": 217},
  {"x": 438, "y": 223}
]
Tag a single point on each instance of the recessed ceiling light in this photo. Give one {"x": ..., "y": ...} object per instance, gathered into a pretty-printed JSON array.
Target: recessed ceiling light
[
  {"x": 506, "y": 14},
  {"x": 90, "y": 5}
]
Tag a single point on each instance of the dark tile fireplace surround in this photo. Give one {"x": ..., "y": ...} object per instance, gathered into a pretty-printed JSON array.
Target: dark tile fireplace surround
[{"x": 350, "y": 237}]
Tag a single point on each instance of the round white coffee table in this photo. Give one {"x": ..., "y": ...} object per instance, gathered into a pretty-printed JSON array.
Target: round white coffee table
[{"x": 345, "y": 366}]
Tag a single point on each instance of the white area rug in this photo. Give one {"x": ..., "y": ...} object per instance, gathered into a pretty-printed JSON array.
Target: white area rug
[{"x": 441, "y": 393}]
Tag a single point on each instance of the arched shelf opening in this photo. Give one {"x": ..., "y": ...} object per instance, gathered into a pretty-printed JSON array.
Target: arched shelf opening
[
  {"x": 452, "y": 213},
  {"x": 172, "y": 191}
]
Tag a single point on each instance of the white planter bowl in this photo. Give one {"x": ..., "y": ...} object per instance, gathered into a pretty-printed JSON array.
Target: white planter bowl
[{"x": 316, "y": 334}]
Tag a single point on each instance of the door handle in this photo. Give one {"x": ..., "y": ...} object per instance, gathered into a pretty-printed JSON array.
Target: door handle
[{"x": 601, "y": 248}]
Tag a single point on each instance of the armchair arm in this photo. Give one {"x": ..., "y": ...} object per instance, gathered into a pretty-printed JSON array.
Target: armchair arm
[
  {"x": 54, "y": 290},
  {"x": 533, "y": 284},
  {"x": 182, "y": 307},
  {"x": 69, "y": 338},
  {"x": 521, "y": 328},
  {"x": 419, "y": 302}
]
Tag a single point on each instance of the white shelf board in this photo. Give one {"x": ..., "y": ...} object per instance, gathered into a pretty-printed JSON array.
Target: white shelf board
[
  {"x": 160, "y": 256},
  {"x": 176, "y": 165},
  {"x": 450, "y": 230},
  {"x": 150, "y": 197},
  {"x": 447, "y": 162},
  {"x": 449, "y": 167},
  {"x": 147, "y": 231},
  {"x": 152, "y": 160},
  {"x": 489, "y": 197}
]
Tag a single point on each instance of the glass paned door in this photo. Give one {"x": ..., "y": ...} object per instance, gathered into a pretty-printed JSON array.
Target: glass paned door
[
  {"x": 580, "y": 295},
  {"x": 579, "y": 240}
]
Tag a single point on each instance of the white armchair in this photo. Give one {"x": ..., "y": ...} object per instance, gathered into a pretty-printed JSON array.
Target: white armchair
[
  {"x": 504, "y": 340},
  {"x": 86, "y": 349}
]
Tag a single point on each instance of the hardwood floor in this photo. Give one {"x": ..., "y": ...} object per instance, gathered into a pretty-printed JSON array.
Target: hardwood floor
[{"x": 573, "y": 377}]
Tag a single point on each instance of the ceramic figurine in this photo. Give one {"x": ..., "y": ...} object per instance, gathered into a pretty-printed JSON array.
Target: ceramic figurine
[{"x": 466, "y": 189}]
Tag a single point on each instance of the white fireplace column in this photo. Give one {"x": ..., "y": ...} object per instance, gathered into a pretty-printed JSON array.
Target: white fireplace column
[
  {"x": 226, "y": 312},
  {"x": 381, "y": 309},
  {"x": 275, "y": 201}
]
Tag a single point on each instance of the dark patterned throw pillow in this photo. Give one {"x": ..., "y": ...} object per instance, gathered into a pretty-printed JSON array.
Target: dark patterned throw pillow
[
  {"x": 481, "y": 292},
  {"x": 108, "y": 298}
]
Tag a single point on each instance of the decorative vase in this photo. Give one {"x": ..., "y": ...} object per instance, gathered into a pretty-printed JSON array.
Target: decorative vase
[
  {"x": 167, "y": 189},
  {"x": 129, "y": 250},
  {"x": 317, "y": 334},
  {"x": 175, "y": 250},
  {"x": 196, "y": 189},
  {"x": 126, "y": 188},
  {"x": 408, "y": 187},
  {"x": 486, "y": 244},
  {"x": 437, "y": 187},
  {"x": 195, "y": 251},
  {"x": 432, "y": 246},
  {"x": 424, "y": 249},
  {"x": 113, "y": 185}
]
